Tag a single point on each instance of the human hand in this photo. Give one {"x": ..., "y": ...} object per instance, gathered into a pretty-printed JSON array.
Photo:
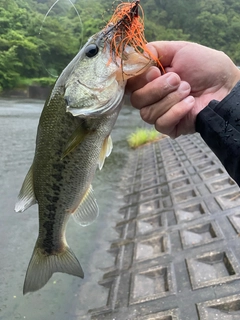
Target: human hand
[{"x": 195, "y": 75}]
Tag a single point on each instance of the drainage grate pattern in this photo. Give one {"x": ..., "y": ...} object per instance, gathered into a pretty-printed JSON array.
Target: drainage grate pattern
[{"x": 178, "y": 252}]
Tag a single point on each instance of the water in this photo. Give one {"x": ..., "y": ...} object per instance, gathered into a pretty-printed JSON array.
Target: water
[{"x": 64, "y": 297}]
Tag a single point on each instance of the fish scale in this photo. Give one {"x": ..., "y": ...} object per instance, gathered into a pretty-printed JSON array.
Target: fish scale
[{"x": 74, "y": 170}]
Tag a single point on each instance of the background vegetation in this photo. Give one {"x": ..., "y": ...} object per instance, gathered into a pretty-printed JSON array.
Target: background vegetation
[
  {"x": 142, "y": 136},
  {"x": 31, "y": 44}
]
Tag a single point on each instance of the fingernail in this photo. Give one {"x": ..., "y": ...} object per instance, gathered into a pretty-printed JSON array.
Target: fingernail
[
  {"x": 189, "y": 99},
  {"x": 184, "y": 86},
  {"x": 173, "y": 80},
  {"x": 152, "y": 74}
]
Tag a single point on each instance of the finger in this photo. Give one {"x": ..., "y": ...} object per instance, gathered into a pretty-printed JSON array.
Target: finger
[
  {"x": 140, "y": 81},
  {"x": 166, "y": 50},
  {"x": 168, "y": 123},
  {"x": 151, "y": 113},
  {"x": 155, "y": 90}
]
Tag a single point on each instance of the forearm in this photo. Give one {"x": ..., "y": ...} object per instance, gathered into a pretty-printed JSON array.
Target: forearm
[{"x": 219, "y": 126}]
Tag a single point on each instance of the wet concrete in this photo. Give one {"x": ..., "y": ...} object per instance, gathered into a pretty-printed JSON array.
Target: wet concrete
[{"x": 177, "y": 254}]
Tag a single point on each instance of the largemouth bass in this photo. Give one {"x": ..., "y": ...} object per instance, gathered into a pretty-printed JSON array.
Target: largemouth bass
[{"x": 73, "y": 138}]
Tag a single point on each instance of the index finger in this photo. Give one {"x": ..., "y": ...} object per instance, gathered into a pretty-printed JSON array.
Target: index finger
[{"x": 141, "y": 80}]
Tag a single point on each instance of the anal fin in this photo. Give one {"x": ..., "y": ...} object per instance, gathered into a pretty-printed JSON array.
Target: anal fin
[{"x": 87, "y": 211}]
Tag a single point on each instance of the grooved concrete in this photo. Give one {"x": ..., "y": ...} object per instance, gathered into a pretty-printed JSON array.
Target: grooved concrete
[{"x": 177, "y": 255}]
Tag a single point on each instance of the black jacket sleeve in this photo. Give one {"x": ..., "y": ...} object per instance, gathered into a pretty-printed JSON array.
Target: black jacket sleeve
[{"x": 219, "y": 126}]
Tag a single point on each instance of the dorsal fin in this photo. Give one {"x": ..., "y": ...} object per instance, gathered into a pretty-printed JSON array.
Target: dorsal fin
[
  {"x": 87, "y": 211},
  {"x": 106, "y": 151},
  {"x": 26, "y": 197}
]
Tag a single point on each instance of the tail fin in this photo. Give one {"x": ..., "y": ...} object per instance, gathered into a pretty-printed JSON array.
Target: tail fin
[{"x": 41, "y": 267}]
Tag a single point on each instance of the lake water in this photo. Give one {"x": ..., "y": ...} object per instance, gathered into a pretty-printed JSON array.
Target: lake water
[{"x": 64, "y": 297}]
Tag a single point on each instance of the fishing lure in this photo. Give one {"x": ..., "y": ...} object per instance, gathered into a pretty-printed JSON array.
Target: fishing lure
[{"x": 128, "y": 22}]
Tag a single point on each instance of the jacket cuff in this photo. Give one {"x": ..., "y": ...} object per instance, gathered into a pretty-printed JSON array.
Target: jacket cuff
[{"x": 219, "y": 126}]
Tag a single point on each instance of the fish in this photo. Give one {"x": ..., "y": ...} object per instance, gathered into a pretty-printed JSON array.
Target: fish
[{"x": 73, "y": 139}]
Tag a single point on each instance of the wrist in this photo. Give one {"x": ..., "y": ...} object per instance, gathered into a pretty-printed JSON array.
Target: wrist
[
  {"x": 232, "y": 78},
  {"x": 236, "y": 78},
  {"x": 227, "y": 109}
]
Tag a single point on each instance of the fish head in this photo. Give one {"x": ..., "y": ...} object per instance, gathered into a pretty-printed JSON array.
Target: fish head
[
  {"x": 95, "y": 80},
  {"x": 92, "y": 87}
]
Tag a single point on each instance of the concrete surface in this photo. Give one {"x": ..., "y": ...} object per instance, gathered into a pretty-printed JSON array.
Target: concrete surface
[{"x": 177, "y": 254}]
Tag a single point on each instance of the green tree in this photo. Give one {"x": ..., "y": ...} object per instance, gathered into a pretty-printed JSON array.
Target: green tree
[
  {"x": 9, "y": 63},
  {"x": 32, "y": 44}
]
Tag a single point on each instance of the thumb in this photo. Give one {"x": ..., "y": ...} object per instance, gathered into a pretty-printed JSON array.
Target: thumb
[{"x": 166, "y": 50}]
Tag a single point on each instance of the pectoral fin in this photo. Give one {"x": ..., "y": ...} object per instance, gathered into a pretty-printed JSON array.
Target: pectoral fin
[
  {"x": 87, "y": 211},
  {"x": 76, "y": 138},
  {"x": 26, "y": 197},
  {"x": 105, "y": 152}
]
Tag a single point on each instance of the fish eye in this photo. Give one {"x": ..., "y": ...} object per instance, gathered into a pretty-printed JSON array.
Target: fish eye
[{"x": 91, "y": 50}]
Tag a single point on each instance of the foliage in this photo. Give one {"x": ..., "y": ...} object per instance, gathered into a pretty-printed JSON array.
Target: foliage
[
  {"x": 142, "y": 136},
  {"x": 27, "y": 54},
  {"x": 43, "y": 82},
  {"x": 214, "y": 23},
  {"x": 33, "y": 45}
]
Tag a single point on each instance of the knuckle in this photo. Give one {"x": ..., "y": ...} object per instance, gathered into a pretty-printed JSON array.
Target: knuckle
[
  {"x": 177, "y": 112},
  {"x": 146, "y": 115},
  {"x": 159, "y": 126},
  {"x": 135, "y": 101}
]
